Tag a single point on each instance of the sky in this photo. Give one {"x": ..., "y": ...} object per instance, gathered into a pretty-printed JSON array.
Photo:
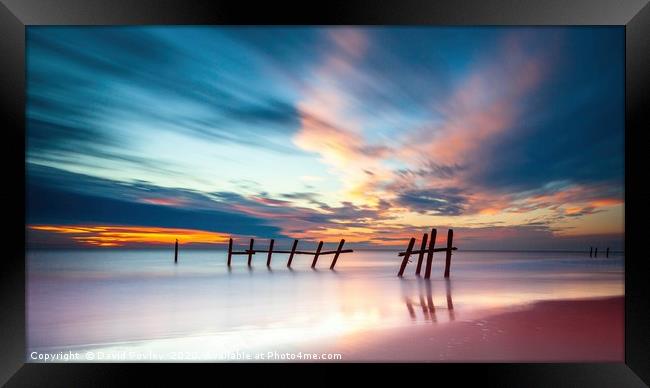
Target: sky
[{"x": 513, "y": 137}]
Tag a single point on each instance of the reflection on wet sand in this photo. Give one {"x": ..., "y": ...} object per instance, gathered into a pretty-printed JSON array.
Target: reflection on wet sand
[{"x": 425, "y": 292}]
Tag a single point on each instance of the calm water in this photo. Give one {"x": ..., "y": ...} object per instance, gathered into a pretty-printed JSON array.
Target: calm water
[{"x": 139, "y": 300}]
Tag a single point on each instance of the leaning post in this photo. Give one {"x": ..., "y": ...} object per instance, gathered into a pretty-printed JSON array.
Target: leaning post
[
  {"x": 229, "y": 251},
  {"x": 450, "y": 238},
  {"x": 320, "y": 246},
  {"x": 293, "y": 252},
  {"x": 250, "y": 252},
  {"x": 432, "y": 243},
  {"x": 338, "y": 252},
  {"x": 407, "y": 254},
  {"x": 268, "y": 258},
  {"x": 176, "y": 252},
  {"x": 423, "y": 247}
]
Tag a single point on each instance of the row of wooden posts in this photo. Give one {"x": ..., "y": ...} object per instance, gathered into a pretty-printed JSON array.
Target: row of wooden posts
[
  {"x": 319, "y": 252},
  {"x": 429, "y": 251},
  {"x": 270, "y": 251},
  {"x": 595, "y": 252}
]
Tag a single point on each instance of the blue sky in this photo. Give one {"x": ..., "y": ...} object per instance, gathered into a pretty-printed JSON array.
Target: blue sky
[{"x": 513, "y": 135}]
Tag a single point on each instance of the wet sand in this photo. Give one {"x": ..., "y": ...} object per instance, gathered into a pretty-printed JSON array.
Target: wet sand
[{"x": 557, "y": 331}]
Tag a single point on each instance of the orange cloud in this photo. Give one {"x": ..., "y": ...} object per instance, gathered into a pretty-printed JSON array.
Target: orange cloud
[
  {"x": 484, "y": 105},
  {"x": 117, "y": 236},
  {"x": 329, "y": 125}
]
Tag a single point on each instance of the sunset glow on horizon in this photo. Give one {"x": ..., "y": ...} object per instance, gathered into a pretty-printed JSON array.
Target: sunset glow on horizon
[
  {"x": 141, "y": 135},
  {"x": 119, "y": 236}
]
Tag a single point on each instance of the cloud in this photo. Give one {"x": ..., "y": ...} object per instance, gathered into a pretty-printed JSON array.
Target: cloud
[
  {"x": 382, "y": 125},
  {"x": 449, "y": 202},
  {"x": 49, "y": 206},
  {"x": 56, "y": 197},
  {"x": 87, "y": 88},
  {"x": 329, "y": 125}
]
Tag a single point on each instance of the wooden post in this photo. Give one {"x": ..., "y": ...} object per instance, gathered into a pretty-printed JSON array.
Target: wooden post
[
  {"x": 268, "y": 258},
  {"x": 320, "y": 246},
  {"x": 423, "y": 246},
  {"x": 607, "y": 252},
  {"x": 596, "y": 252},
  {"x": 229, "y": 251},
  {"x": 591, "y": 251},
  {"x": 432, "y": 243},
  {"x": 450, "y": 238},
  {"x": 250, "y": 252},
  {"x": 176, "y": 252},
  {"x": 338, "y": 252},
  {"x": 293, "y": 251},
  {"x": 407, "y": 254}
]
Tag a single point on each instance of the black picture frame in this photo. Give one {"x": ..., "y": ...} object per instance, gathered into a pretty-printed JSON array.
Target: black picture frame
[{"x": 15, "y": 15}]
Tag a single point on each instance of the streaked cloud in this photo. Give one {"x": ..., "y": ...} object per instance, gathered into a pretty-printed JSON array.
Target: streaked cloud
[{"x": 317, "y": 133}]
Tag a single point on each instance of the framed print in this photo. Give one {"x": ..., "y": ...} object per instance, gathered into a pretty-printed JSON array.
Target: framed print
[{"x": 445, "y": 187}]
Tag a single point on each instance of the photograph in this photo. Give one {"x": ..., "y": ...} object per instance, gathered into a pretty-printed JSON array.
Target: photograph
[{"x": 325, "y": 193}]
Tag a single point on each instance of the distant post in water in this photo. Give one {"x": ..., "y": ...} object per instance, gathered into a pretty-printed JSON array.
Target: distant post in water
[
  {"x": 450, "y": 237},
  {"x": 607, "y": 252},
  {"x": 320, "y": 246},
  {"x": 338, "y": 252},
  {"x": 407, "y": 254},
  {"x": 432, "y": 243},
  {"x": 591, "y": 251},
  {"x": 229, "y": 251},
  {"x": 250, "y": 252},
  {"x": 596, "y": 252},
  {"x": 176, "y": 252},
  {"x": 293, "y": 252},
  {"x": 423, "y": 247},
  {"x": 268, "y": 259}
]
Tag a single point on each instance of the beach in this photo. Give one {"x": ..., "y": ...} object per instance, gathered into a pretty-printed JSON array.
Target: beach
[
  {"x": 137, "y": 305},
  {"x": 555, "y": 331}
]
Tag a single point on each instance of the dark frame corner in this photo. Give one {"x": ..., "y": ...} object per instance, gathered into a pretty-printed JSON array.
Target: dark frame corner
[{"x": 15, "y": 15}]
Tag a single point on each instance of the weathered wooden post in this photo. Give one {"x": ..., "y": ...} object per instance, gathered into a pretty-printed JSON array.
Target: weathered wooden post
[
  {"x": 229, "y": 251},
  {"x": 407, "y": 254},
  {"x": 607, "y": 252},
  {"x": 250, "y": 252},
  {"x": 176, "y": 252},
  {"x": 596, "y": 252},
  {"x": 591, "y": 251},
  {"x": 423, "y": 247},
  {"x": 432, "y": 243},
  {"x": 293, "y": 251},
  {"x": 320, "y": 246},
  {"x": 338, "y": 252},
  {"x": 268, "y": 258},
  {"x": 450, "y": 237}
]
